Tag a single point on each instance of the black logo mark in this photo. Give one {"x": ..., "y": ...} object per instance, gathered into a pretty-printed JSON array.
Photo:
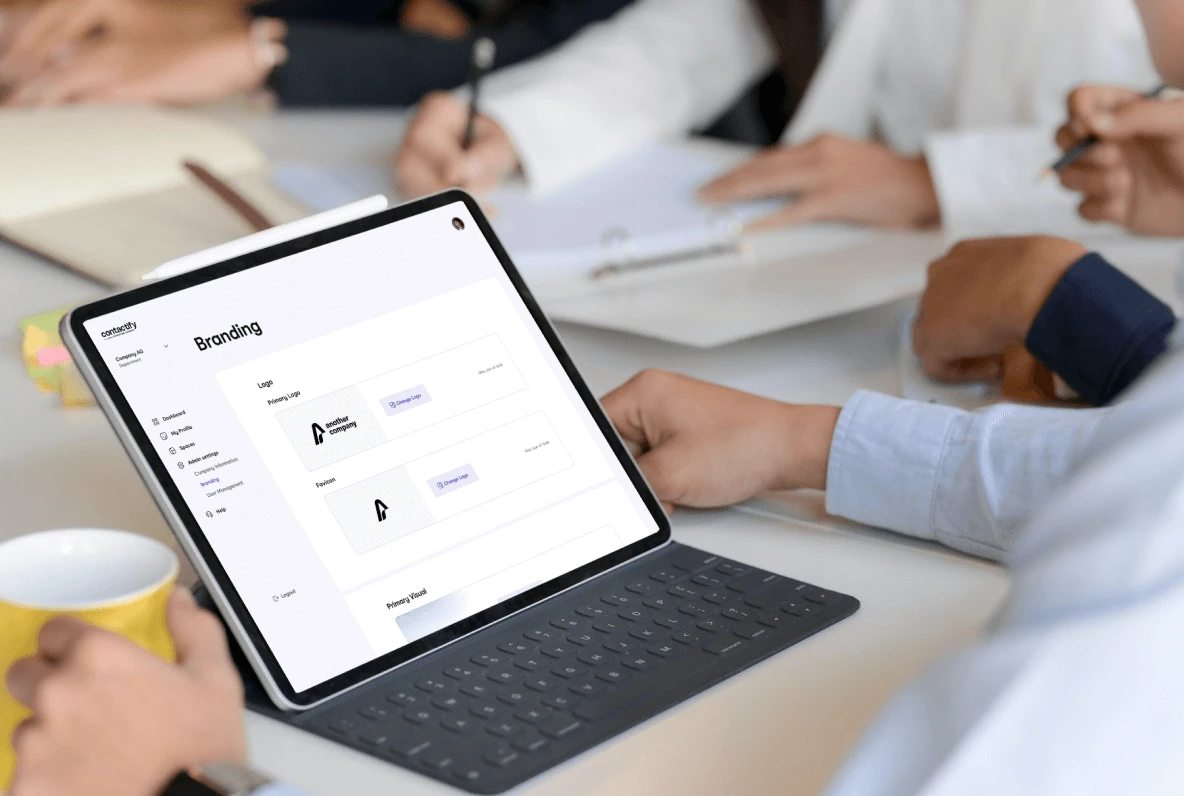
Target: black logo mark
[
  {"x": 318, "y": 434},
  {"x": 380, "y": 509}
]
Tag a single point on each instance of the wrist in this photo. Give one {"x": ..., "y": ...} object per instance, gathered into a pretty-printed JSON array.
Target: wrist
[
  {"x": 927, "y": 207},
  {"x": 1053, "y": 257},
  {"x": 806, "y": 434}
]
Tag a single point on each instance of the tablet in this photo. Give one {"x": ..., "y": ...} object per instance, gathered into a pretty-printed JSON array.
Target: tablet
[{"x": 369, "y": 441}]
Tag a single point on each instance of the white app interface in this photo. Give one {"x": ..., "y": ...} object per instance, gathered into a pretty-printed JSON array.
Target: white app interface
[{"x": 375, "y": 438}]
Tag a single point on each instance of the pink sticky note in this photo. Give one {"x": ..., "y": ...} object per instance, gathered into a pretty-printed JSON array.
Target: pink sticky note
[{"x": 49, "y": 356}]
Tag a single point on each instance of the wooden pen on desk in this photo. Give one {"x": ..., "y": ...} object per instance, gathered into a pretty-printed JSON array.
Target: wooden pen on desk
[{"x": 247, "y": 211}]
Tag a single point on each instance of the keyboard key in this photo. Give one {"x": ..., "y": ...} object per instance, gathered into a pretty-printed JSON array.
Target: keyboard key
[
  {"x": 673, "y": 621},
  {"x": 636, "y": 614},
  {"x": 773, "y": 620},
  {"x": 717, "y": 597},
  {"x": 665, "y": 649},
  {"x": 753, "y": 580},
  {"x": 685, "y": 591},
  {"x": 561, "y": 650},
  {"x": 484, "y": 709},
  {"x": 614, "y": 625},
  {"x": 503, "y": 675},
  {"x": 799, "y": 608},
  {"x": 640, "y": 691},
  {"x": 690, "y": 637},
  {"x": 561, "y": 700},
  {"x": 697, "y": 609},
  {"x": 501, "y": 756},
  {"x": 460, "y": 672},
  {"x": 377, "y": 712},
  {"x": 752, "y": 631},
  {"x": 468, "y": 772},
  {"x": 713, "y": 624},
  {"x": 666, "y": 575},
  {"x": 436, "y": 758},
  {"x": 348, "y": 725},
  {"x": 660, "y": 602},
  {"x": 647, "y": 632},
  {"x": 638, "y": 662},
  {"x": 379, "y": 736},
  {"x": 529, "y": 742},
  {"x": 477, "y": 688},
  {"x": 559, "y": 727},
  {"x": 617, "y": 599},
  {"x": 543, "y": 635},
  {"x": 622, "y": 645},
  {"x": 514, "y": 695},
  {"x": 613, "y": 674},
  {"x": 739, "y": 614},
  {"x": 642, "y": 587},
  {"x": 732, "y": 569},
  {"x": 693, "y": 560},
  {"x": 503, "y": 729},
  {"x": 710, "y": 580},
  {"x": 448, "y": 702},
  {"x": 567, "y": 623},
  {"x": 595, "y": 611},
  {"x": 725, "y": 645},
  {"x": 594, "y": 657},
  {"x": 419, "y": 715},
  {"x": 405, "y": 698},
  {"x": 586, "y": 688},
  {"x": 411, "y": 746},
  {"x": 817, "y": 595},
  {"x": 433, "y": 685},
  {"x": 766, "y": 599},
  {"x": 514, "y": 647},
  {"x": 530, "y": 663},
  {"x": 533, "y": 714},
  {"x": 462, "y": 725},
  {"x": 487, "y": 659},
  {"x": 584, "y": 639},
  {"x": 543, "y": 683},
  {"x": 568, "y": 670}
]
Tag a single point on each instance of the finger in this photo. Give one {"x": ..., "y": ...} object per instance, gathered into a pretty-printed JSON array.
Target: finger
[
  {"x": 60, "y": 635},
  {"x": 806, "y": 209},
  {"x": 25, "y": 677},
  {"x": 1102, "y": 155},
  {"x": 19, "y": 57},
  {"x": 481, "y": 167},
  {"x": 1089, "y": 102},
  {"x": 76, "y": 24},
  {"x": 1098, "y": 182},
  {"x": 68, "y": 84},
  {"x": 964, "y": 371},
  {"x": 776, "y": 172},
  {"x": 198, "y": 636},
  {"x": 673, "y": 473},
  {"x": 1145, "y": 117},
  {"x": 623, "y": 407},
  {"x": 1104, "y": 209}
]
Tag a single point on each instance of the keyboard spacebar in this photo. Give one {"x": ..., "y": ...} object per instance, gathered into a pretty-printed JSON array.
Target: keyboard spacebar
[{"x": 641, "y": 691}]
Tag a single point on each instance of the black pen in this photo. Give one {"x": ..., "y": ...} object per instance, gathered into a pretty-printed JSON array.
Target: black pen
[
  {"x": 484, "y": 51},
  {"x": 1070, "y": 157}
]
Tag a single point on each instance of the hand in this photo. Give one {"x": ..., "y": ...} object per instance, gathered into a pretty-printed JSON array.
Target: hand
[
  {"x": 431, "y": 157},
  {"x": 834, "y": 179},
  {"x": 1135, "y": 176},
  {"x": 111, "y": 719},
  {"x": 981, "y": 300},
  {"x": 169, "y": 71},
  {"x": 59, "y": 27},
  {"x": 703, "y": 446}
]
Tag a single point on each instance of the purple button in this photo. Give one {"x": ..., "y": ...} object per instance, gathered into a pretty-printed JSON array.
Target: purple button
[
  {"x": 452, "y": 480},
  {"x": 402, "y": 401}
]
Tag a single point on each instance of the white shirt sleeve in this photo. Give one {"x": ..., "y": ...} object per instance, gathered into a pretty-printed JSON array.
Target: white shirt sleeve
[
  {"x": 966, "y": 479},
  {"x": 1077, "y": 689},
  {"x": 657, "y": 68}
]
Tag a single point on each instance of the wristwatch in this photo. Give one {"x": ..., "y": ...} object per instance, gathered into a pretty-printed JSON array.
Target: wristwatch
[{"x": 217, "y": 779}]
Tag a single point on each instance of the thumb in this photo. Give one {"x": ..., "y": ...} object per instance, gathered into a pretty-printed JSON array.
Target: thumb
[
  {"x": 197, "y": 634},
  {"x": 483, "y": 165},
  {"x": 1146, "y": 117},
  {"x": 670, "y": 472},
  {"x": 970, "y": 370},
  {"x": 805, "y": 209}
]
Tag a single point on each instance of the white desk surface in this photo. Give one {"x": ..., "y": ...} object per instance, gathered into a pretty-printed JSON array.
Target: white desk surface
[{"x": 782, "y": 727}]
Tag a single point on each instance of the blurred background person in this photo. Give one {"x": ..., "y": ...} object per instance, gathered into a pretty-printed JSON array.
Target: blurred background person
[
  {"x": 902, "y": 111},
  {"x": 309, "y": 52}
]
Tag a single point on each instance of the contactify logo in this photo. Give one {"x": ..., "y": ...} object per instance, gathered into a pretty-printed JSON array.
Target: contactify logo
[{"x": 118, "y": 331}]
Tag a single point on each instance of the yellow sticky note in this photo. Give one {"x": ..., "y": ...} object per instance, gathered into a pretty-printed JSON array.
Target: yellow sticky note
[
  {"x": 47, "y": 322},
  {"x": 75, "y": 393}
]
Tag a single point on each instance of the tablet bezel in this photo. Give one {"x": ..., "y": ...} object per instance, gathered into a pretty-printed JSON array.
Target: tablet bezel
[{"x": 156, "y": 475}]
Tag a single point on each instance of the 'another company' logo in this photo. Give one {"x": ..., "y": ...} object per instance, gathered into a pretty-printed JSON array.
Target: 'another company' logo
[
  {"x": 380, "y": 508},
  {"x": 318, "y": 434}
]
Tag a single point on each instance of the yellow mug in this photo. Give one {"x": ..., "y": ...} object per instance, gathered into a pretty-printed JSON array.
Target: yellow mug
[{"x": 112, "y": 579}]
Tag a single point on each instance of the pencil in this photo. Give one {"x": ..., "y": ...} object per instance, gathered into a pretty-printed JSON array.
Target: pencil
[
  {"x": 247, "y": 211},
  {"x": 484, "y": 51},
  {"x": 1086, "y": 144}
]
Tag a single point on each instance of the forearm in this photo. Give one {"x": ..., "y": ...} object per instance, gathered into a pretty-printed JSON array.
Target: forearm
[{"x": 966, "y": 479}]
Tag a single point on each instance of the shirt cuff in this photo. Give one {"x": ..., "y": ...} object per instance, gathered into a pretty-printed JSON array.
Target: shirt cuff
[
  {"x": 884, "y": 462},
  {"x": 1099, "y": 329}
]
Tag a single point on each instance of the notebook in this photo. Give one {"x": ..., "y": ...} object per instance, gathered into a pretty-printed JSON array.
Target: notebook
[{"x": 103, "y": 190}]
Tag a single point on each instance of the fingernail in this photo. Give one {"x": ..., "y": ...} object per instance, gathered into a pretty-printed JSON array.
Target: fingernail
[{"x": 1104, "y": 122}]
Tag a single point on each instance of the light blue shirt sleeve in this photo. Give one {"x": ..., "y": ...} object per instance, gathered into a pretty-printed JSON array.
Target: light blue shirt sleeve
[{"x": 966, "y": 479}]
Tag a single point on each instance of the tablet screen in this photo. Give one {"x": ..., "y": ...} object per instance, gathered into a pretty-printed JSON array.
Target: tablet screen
[{"x": 375, "y": 437}]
